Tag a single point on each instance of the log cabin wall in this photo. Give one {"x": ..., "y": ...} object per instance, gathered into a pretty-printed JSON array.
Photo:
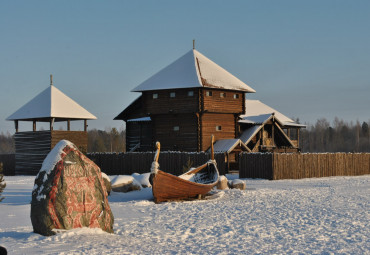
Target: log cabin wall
[
  {"x": 221, "y": 125},
  {"x": 176, "y": 132},
  {"x": 171, "y": 101},
  {"x": 223, "y": 101}
]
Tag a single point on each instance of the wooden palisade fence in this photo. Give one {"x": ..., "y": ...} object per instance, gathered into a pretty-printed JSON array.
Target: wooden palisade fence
[
  {"x": 140, "y": 162},
  {"x": 273, "y": 166},
  {"x": 276, "y": 166},
  {"x": 135, "y": 162}
]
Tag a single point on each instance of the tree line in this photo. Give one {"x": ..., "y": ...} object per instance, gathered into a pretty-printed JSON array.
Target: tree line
[{"x": 340, "y": 136}]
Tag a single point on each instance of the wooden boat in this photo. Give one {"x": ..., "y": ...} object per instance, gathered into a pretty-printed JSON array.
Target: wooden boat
[{"x": 192, "y": 184}]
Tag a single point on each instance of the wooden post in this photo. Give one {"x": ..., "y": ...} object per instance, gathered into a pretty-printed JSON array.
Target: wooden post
[
  {"x": 272, "y": 135},
  {"x": 52, "y": 124},
  {"x": 34, "y": 126},
  {"x": 16, "y": 126},
  {"x": 69, "y": 125},
  {"x": 85, "y": 125}
]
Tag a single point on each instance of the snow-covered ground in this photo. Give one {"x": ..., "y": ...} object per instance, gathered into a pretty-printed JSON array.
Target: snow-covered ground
[{"x": 310, "y": 216}]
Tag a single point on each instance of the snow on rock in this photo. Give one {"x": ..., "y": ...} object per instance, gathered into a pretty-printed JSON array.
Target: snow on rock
[
  {"x": 125, "y": 183},
  {"x": 69, "y": 192},
  {"x": 107, "y": 183},
  {"x": 238, "y": 184}
]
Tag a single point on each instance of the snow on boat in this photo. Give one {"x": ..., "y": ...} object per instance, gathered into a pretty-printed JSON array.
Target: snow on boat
[{"x": 192, "y": 184}]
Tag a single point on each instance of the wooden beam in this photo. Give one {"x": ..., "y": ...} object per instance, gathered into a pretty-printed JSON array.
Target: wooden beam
[
  {"x": 69, "y": 125},
  {"x": 85, "y": 125},
  {"x": 34, "y": 126}
]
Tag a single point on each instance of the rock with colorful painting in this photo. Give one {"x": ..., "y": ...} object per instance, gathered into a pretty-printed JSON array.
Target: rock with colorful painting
[{"x": 69, "y": 192}]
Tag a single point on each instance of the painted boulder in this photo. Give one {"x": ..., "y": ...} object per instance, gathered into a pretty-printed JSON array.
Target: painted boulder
[{"x": 69, "y": 192}]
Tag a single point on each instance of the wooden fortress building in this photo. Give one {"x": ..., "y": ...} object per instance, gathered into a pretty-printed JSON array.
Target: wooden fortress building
[{"x": 189, "y": 100}]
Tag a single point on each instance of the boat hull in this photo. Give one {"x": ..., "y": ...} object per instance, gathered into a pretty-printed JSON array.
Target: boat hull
[{"x": 168, "y": 187}]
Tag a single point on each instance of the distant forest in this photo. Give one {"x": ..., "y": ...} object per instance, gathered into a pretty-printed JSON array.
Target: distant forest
[{"x": 340, "y": 136}]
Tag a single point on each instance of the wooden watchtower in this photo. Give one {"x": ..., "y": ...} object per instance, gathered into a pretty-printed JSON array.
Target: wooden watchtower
[{"x": 51, "y": 106}]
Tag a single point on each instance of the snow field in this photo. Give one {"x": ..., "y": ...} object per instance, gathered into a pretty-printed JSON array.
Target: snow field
[{"x": 310, "y": 216}]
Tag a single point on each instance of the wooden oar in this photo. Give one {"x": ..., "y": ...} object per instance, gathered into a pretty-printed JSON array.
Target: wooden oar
[{"x": 194, "y": 171}]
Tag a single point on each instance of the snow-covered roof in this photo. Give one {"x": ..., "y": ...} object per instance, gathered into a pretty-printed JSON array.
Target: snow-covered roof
[
  {"x": 140, "y": 119},
  {"x": 190, "y": 71},
  {"x": 51, "y": 103},
  {"x": 228, "y": 145},
  {"x": 257, "y": 112},
  {"x": 249, "y": 133},
  {"x": 258, "y": 119}
]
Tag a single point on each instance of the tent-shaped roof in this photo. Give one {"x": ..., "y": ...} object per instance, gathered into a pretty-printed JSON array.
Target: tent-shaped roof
[
  {"x": 193, "y": 70},
  {"x": 51, "y": 103},
  {"x": 257, "y": 112},
  {"x": 228, "y": 145}
]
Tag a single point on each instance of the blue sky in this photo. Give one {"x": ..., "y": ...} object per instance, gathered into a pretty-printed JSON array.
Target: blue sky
[{"x": 307, "y": 59}]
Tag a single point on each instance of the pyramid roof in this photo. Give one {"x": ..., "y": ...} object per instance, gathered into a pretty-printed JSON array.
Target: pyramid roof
[
  {"x": 193, "y": 70},
  {"x": 51, "y": 103}
]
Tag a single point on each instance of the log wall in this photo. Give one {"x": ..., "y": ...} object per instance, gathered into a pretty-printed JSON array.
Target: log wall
[
  {"x": 276, "y": 166},
  {"x": 208, "y": 124},
  {"x": 222, "y": 104},
  {"x": 183, "y": 139},
  {"x": 31, "y": 149},
  {"x": 181, "y": 103},
  {"x": 78, "y": 138}
]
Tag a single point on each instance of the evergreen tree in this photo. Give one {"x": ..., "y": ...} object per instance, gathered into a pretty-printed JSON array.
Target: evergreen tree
[{"x": 2, "y": 182}]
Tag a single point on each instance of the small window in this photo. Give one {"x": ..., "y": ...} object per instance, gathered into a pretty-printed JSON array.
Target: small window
[
  {"x": 222, "y": 94},
  {"x": 236, "y": 96},
  {"x": 173, "y": 94},
  {"x": 208, "y": 93},
  {"x": 176, "y": 128},
  {"x": 218, "y": 128},
  {"x": 155, "y": 96},
  {"x": 190, "y": 93}
]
